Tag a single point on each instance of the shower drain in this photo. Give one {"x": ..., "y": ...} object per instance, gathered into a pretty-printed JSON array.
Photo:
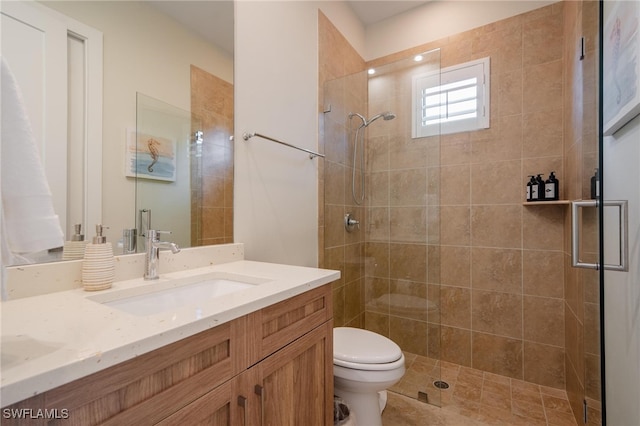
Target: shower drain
[{"x": 441, "y": 384}]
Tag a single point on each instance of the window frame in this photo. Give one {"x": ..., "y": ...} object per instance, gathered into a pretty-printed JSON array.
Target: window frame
[{"x": 479, "y": 69}]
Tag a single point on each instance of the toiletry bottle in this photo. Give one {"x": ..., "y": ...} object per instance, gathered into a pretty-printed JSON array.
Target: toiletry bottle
[
  {"x": 534, "y": 189},
  {"x": 538, "y": 189},
  {"x": 551, "y": 187},
  {"x": 98, "y": 267},
  {"x": 530, "y": 186},
  {"x": 74, "y": 249},
  {"x": 595, "y": 185}
]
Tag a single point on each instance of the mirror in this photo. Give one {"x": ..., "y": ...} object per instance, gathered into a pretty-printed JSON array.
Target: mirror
[
  {"x": 147, "y": 51},
  {"x": 184, "y": 165}
]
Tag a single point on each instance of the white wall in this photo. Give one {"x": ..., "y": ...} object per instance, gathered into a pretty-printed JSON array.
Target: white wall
[
  {"x": 276, "y": 75},
  {"x": 622, "y": 289},
  {"x": 144, "y": 51},
  {"x": 276, "y": 94}
]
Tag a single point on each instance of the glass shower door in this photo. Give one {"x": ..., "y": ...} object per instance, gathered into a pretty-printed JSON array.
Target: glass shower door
[
  {"x": 379, "y": 175},
  {"x": 402, "y": 236}
]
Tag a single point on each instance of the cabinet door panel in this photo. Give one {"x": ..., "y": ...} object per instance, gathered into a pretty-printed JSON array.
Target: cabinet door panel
[{"x": 297, "y": 382}]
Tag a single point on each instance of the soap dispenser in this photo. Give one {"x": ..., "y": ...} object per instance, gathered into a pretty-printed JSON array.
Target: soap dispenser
[
  {"x": 530, "y": 185},
  {"x": 551, "y": 187},
  {"x": 74, "y": 249},
  {"x": 537, "y": 189},
  {"x": 98, "y": 268}
]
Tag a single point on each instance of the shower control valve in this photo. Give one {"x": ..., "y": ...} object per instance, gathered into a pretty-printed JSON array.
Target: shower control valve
[{"x": 350, "y": 223}]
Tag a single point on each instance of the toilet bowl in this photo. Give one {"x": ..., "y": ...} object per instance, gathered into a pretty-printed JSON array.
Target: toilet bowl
[{"x": 365, "y": 364}]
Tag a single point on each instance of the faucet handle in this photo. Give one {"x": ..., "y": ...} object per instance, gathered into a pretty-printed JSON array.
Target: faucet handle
[{"x": 154, "y": 234}]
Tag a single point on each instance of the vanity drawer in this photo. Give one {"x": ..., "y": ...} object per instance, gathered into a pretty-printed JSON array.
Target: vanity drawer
[{"x": 275, "y": 326}]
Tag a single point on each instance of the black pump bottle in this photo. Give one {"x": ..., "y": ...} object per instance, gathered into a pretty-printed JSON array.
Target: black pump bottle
[{"x": 551, "y": 187}]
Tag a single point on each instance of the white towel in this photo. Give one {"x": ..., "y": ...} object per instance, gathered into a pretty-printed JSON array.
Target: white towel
[{"x": 29, "y": 223}]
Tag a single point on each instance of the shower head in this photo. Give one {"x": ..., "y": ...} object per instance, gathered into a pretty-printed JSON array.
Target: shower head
[{"x": 387, "y": 115}]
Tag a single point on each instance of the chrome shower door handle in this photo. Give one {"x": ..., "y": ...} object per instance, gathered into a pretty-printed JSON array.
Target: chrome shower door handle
[{"x": 623, "y": 214}]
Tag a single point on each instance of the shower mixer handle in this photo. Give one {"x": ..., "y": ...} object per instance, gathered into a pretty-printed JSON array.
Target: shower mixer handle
[{"x": 350, "y": 222}]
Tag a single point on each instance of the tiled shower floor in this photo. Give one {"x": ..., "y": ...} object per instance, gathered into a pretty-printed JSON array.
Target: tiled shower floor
[{"x": 474, "y": 397}]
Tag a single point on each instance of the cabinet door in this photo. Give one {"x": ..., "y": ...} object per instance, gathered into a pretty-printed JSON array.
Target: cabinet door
[
  {"x": 216, "y": 408},
  {"x": 296, "y": 383}
]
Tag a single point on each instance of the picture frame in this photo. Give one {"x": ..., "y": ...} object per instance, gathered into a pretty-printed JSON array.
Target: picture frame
[
  {"x": 150, "y": 157},
  {"x": 621, "y": 64}
]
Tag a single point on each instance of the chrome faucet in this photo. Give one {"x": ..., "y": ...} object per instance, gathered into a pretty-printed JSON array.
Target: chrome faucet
[{"x": 153, "y": 248}]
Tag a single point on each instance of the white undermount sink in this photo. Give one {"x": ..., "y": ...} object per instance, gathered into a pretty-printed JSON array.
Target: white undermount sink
[{"x": 167, "y": 295}]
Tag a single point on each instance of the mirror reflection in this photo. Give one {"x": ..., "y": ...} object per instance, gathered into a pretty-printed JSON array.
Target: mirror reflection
[{"x": 146, "y": 51}]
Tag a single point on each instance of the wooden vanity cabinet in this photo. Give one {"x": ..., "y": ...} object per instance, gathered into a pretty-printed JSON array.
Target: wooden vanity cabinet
[
  {"x": 291, "y": 383},
  {"x": 271, "y": 367},
  {"x": 288, "y": 388}
]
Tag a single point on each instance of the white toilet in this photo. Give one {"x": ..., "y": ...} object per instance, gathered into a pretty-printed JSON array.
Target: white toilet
[{"x": 365, "y": 364}]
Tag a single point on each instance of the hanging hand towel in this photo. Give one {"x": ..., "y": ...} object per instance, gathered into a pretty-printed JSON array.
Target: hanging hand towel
[{"x": 29, "y": 222}]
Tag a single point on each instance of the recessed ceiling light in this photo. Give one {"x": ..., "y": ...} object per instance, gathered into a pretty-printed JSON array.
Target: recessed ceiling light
[
  {"x": 371, "y": 71},
  {"x": 418, "y": 58}
]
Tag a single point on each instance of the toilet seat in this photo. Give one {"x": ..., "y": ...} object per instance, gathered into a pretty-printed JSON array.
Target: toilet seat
[
  {"x": 364, "y": 350},
  {"x": 370, "y": 367}
]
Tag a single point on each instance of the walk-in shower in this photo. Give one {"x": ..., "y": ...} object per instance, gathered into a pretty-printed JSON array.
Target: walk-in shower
[{"x": 359, "y": 141}]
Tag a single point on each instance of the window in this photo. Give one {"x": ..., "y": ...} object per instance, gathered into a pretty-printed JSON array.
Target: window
[{"x": 454, "y": 100}]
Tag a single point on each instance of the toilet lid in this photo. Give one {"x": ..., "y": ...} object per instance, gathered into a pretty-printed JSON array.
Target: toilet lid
[{"x": 355, "y": 345}]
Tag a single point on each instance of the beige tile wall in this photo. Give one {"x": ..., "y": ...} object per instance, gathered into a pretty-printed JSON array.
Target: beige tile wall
[
  {"x": 338, "y": 249},
  {"x": 501, "y": 263},
  {"x": 212, "y": 184}
]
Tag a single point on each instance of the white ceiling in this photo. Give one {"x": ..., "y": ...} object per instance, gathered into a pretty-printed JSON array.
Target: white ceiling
[
  {"x": 213, "y": 20},
  {"x": 369, "y": 12}
]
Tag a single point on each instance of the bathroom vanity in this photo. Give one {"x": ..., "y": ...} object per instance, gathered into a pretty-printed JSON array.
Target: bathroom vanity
[{"x": 259, "y": 355}]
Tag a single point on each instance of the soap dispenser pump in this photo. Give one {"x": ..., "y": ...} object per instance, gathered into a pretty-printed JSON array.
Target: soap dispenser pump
[
  {"x": 78, "y": 236},
  {"x": 99, "y": 238},
  {"x": 74, "y": 249},
  {"x": 98, "y": 268}
]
